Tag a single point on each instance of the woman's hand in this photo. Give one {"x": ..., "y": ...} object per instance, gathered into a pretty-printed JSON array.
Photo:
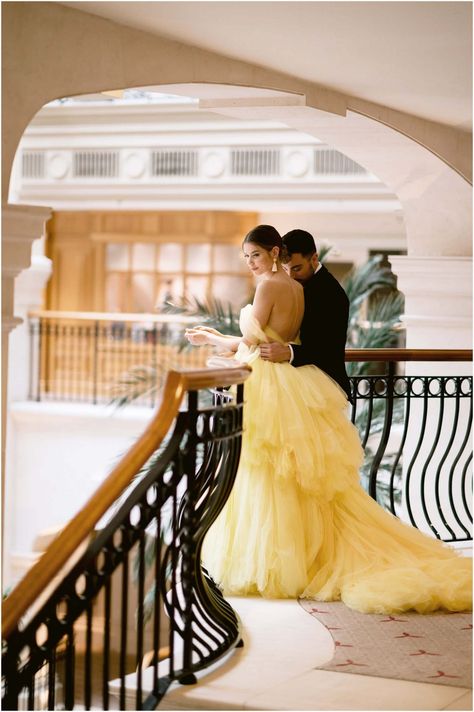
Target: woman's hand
[
  {"x": 209, "y": 330},
  {"x": 198, "y": 336},
  {"x": 201, "y": 335}
]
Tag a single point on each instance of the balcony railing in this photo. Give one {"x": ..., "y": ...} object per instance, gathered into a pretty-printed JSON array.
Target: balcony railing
[
  {"x": 131, "y": 599},
  {"x": 416, "y": 433},
  {"x": 415, "y": 429},
  {"x": 80, "y": 357}
]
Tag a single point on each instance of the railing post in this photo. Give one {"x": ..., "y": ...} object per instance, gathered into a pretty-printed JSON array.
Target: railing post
[
  {"x": 95, "y": 363},
  {"x": 387, "y": 424},
  {"x": 35, "y": 359},
  {"x": 188, "y": 564}
]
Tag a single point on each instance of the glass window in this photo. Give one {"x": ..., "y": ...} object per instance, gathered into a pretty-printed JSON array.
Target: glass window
[
  {"x": 235, "y": 290},
  {"x": 143, "y": 257},
  {"x": 117, "y": 257},
  {"x": 228, "y": 258},
  {"x": 170, "y": 257},
  {"x": 143, "y": 292},
  {"x": 198, "y": 258},
  {"x": 170, "y": 289},
  {"x": 116, "y": 293},
  {"x": 196, "y": 287}
]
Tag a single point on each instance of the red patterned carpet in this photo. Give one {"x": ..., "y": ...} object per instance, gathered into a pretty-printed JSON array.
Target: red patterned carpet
[{"x": 433, "y": 648}]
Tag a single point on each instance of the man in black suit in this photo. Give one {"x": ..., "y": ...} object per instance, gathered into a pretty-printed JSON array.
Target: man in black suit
[{"x": 326, "y": 314}]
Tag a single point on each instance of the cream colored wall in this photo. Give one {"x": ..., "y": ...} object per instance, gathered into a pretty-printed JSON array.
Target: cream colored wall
[{"x": 51, "y": 51}]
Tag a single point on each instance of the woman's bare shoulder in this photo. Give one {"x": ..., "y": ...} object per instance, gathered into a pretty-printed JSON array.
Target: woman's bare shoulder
[{"x": 266, "y": 288}]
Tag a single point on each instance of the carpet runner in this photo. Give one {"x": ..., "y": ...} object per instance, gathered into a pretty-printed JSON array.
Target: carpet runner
[{"x": 433, "y": 648}]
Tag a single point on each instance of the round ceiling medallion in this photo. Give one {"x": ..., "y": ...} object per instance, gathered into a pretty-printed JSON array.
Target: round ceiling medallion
[
  {"x": 58, "y": 165},
  {"x": 297, "y": 164},
  {"x": 213, "y": 165},
  {"x": 134, "y": 165}
]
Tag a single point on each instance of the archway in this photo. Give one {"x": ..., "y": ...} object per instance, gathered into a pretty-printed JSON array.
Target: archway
[{"x": 53, "y": 51}]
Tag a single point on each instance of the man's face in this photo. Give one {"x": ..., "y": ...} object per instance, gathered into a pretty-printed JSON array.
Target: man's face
[{"x": 301, "y": 268}]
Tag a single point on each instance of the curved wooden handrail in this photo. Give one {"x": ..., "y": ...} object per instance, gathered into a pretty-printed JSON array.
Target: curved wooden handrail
[
  {"x": 83, "y": 523},
  {"x": 408, "y": 354}
]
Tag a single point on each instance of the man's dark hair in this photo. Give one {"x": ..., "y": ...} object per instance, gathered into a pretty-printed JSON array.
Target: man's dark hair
[{"x": 299, "y": 241}]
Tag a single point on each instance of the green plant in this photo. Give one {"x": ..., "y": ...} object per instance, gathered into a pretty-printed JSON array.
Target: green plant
[
  {"x": 388, "y": 468},
  {"x": 210, "y": 312}
]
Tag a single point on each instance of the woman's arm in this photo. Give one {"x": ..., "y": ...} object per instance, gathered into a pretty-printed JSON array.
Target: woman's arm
[{"x": 199, "y": 336}]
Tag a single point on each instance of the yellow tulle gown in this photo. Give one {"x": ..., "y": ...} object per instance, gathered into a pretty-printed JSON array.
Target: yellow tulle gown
[{"x": 298, "y": 523}]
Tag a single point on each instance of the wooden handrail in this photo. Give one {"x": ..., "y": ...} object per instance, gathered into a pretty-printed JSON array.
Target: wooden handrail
[
  {"x": 351, "y": 354},
  {"x": 83, "y": 523},
  {"x": 119, "y": 318},
  {"x": 177, "y": 383},
  {"x": 408, "y": 354}
]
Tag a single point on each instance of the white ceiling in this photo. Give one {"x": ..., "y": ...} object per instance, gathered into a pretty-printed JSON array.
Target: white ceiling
[{"x": 411, "y": 56}]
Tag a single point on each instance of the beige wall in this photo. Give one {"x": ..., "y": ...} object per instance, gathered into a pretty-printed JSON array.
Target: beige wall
[{"x": 51, "y": 51}]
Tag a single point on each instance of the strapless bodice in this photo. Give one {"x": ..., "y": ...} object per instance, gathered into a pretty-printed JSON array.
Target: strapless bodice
[{"x": 252, "y": 331}]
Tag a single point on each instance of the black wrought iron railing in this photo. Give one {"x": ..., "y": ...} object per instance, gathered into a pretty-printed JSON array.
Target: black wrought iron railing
[
  {"x": 81, "y": 357},
  {"x": 416, "y": 433},
  {"x": 131, "y": 608},
  {"x": 415, "y": 429}
]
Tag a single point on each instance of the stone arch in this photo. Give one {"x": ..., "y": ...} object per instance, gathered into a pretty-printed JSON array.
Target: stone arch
[{"x": 53, "y": 51}]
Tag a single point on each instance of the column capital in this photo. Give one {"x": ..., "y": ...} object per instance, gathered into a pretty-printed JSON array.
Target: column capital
[
  {"x": 438, "y": 299},
  {"x": 21, "y": 225}
]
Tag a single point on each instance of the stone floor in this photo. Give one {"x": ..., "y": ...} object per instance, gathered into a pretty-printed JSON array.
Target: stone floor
[{"x": 276, "y": 671}]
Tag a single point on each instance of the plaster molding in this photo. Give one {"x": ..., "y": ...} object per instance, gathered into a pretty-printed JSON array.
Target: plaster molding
[
  {"x": 436, "y": 278},
  {"x": 83, "y": 59},
  {"x": 21, "y": 225},
  {"x": 438, "y": 300},
  {"x": 30, "y": 282},
  {"x": 453, "y": 322},
  {"x": 10, "y": 322}
]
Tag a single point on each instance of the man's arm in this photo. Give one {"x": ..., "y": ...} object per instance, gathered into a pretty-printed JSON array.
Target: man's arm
[{"x": 323, "y": 333}]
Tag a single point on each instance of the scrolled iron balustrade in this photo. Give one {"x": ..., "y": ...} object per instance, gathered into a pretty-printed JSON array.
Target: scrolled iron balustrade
[
  {"x": 416, "y": 434},
  {"x": 63, "y": 655}
]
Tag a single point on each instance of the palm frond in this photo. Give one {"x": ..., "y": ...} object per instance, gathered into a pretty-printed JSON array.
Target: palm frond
[
  {"x": 364, "y": 280},
  {"x": 386, "y": 309},
  {"x": 323, "y": 252},
  {"x": 211, "y": 312},
  {"x": 139, "y": 382}
]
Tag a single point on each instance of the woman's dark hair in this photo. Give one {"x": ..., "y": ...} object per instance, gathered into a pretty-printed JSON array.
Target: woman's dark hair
[{"x": 265, "y": 236}]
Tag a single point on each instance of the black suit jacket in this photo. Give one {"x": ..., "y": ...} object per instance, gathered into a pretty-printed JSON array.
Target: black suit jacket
[{"x": 324, "y": 327}]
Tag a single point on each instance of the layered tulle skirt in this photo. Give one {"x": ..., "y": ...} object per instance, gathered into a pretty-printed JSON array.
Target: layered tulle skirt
[{"x": 298, "y": 523}]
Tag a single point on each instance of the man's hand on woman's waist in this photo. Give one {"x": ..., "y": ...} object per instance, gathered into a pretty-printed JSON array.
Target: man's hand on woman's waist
[{"x": 276, "y": 352}]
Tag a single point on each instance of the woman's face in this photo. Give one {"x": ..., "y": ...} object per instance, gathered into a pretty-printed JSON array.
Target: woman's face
[{"x": 257, "y": 258}]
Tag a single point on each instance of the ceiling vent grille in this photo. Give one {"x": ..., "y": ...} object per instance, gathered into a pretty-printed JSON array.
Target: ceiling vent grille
[
  {"x": 255, "y": 162},
  {"x": 96, "y": 164},
  {"x": 174, "y": 162},
  {"x": 32, "y": 164},
  {"x": 331, "y": 162}
]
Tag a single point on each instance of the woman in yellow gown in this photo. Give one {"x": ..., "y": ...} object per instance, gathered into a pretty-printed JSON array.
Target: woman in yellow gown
[{"x": 297, "y": 522}]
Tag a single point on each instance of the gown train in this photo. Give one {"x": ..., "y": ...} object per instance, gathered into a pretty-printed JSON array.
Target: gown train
[{"x": 299, "y": 524}]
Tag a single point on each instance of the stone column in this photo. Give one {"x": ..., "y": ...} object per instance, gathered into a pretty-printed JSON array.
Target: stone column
[
  {"x": 29, "y": 286},
  {"x": 21, "y": 225},
  {"x": 438, "y": 300},
  {"x": 438, "y": 315}
]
